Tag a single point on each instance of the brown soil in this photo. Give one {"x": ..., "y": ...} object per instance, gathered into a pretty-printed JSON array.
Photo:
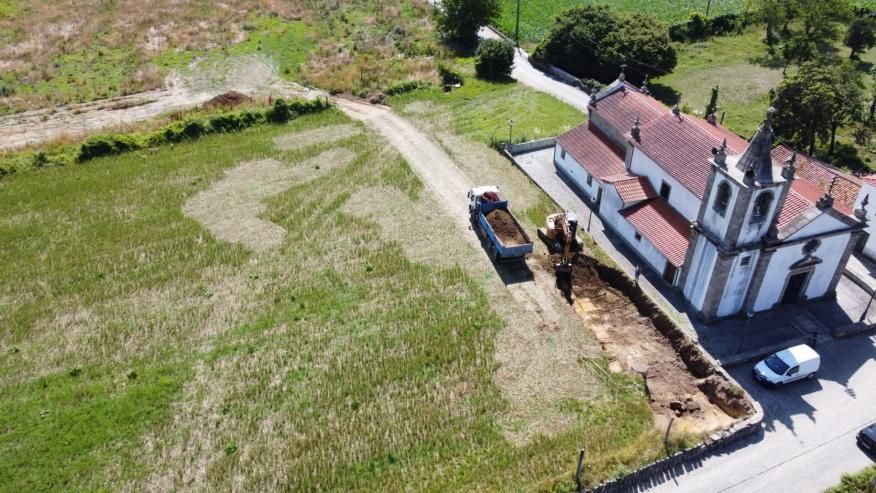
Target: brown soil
[
  {"x": 639, "y": 338},
  {"x": 506, "y": 228},
  {"x": 227, "y": 100}
]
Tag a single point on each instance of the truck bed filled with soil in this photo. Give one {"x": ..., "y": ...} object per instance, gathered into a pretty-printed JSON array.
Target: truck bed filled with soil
[{"x": 506, "y": 228}]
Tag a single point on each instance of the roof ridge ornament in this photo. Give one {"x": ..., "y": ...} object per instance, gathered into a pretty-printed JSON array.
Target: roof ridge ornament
[
  {"x": 720, "y": 154},
  {"x": 623, "y": 76},
  {"x": 826, "y": 200},
  {"x": 789, "y": 167},
  {"x": 676, "y": 110},
  {"x": 768, "y": 120},
  {"x": 636, "y": 132},
  {"x": 644, "y": 89},
  {"x": 861, "y": 213}
]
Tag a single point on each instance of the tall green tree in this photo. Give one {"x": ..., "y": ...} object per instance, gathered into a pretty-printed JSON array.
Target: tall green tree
[
  {"x": 773, "y": 13},
  {"x": 815, "y": 29},
  {"x": 460, "y": 20},
  {"x": 594, "y": 41},
  {"x": 861, "y": 35},
  {"x": 813, "y": 103}
]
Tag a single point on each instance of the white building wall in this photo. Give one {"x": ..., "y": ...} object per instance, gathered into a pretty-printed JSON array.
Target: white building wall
[
  {"x": 753, "y": 232},
  {"x": 868, "y": 189},
  {"x": 714, "y": 222},
  {"x": 830, "y": 251},
  {"x": 737, "y": 284},
  {"x": 700, "y": 271},
  {"x": 575, "y": 172},
  {"x": 680, "y": 198},
  {"x": 820, "y": 225},
  {"x": 611, "y": 203}
]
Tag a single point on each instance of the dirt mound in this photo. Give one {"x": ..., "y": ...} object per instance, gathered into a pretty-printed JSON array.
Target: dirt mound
[
  {"x": 725, "y": 395},
  {"x": 227, "y": 100},
  {"x": 506, "y": 228}
]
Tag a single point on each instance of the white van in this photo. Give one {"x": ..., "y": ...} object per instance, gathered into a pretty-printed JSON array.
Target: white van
[{"x": 788, "y": 365}]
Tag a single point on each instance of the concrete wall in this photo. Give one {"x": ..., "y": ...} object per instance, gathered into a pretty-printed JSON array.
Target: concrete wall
[
  {"x": 532, "y": 145},
  {"x": 830, "y": 251},
  {"x": 868, "y": 189},
  {"x": 681, "y": 199},
  {"x": 575, "y": 172},
  {"x": 738, "y": 281},
  {"x": 700, "y": 272},
  {"x": 611, "y": 203}
]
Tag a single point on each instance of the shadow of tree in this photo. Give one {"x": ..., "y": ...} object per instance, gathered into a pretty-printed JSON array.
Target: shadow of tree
[{"x": 667, "y": 95}]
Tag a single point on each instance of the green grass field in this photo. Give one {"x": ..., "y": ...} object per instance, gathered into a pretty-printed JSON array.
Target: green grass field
[{"x": 141, "y": 353}]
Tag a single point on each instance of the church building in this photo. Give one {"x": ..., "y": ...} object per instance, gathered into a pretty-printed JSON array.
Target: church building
[{"x": 736, "y": 226}]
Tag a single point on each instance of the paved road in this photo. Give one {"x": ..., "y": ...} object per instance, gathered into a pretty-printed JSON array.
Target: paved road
[
  {"x": 526, "y": 74},
  {"x": 808, "y": 438}
]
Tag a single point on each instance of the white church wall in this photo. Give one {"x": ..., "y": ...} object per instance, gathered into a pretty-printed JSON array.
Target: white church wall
[
  {"x": 868, "y": 189},
  {"x": 753, "y": 231},
  {"x": 608, "y": 210},
  {"x": 830, "y": 251},
  {"x": 699, "y": 272},
  {"x": 680, "y": 198},
  {"x": 575, "y": 172},
  {"x": 713, "y": 221},
  {"x": 737, "y": 283},
  {"x": 820, "y": 225}
]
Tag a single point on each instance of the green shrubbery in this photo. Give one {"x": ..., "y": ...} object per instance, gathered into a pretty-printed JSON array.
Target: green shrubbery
[
  {"x": 449, "y": 77},
  {"x": 495, "y": 58},
  {"x": 408, "y": 86},
  {"x": 189, "y": 129}
]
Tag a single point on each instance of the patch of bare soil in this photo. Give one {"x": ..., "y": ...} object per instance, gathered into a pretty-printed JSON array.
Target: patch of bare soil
[
  {"x": 227, "y": 100},
  {"x": 505, "y": 227},
  {"x": 635, "y": 345},
  {"x": 231, "y": 208},
  {"x": 322, "y": 135},
  {"x": 249, "y": 75}
]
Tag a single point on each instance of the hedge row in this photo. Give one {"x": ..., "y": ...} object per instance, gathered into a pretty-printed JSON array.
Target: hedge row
[
  {"x": 699, "y": 27},
  {"x": 180, "y": 131}
]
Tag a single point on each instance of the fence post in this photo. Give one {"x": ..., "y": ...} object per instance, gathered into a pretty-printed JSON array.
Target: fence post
[{"x": 580, "y": 469}]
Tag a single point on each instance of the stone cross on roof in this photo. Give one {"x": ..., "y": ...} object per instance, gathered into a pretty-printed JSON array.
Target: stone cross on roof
[
  {"x": 721, "y": 154},
  {"x": 623, "y": 76},
  {"x": 789, "y": 169},
  {"x": 826, "y": 200},
  {"x": 636, "y": 132}
]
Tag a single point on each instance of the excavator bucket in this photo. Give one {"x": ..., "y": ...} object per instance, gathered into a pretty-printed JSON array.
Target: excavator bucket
[{"x": 564, "y": 279}]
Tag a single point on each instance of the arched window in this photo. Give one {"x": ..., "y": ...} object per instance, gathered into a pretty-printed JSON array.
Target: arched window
[
  {"x": 761, "y": 207},
  {"x": 722, "y": 199}
]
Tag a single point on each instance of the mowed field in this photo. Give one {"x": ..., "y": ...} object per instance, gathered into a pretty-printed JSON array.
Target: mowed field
[{"x": 282, "y": 308}]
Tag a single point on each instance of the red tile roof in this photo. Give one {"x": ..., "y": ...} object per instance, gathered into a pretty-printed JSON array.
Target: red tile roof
[
  {"x": 634, "y": 189},
  {"x": 621, "y": 107},
  {"x": 666, "y": 229},
  {"x": 682, "y": 148},
  {"x": 595, "y": 152},
  {"x": 819, "y": 174},
  {"x": 736, "y": 143},
  {"x": 871, "y": 179},
  {"x": 802, "y": 196}
]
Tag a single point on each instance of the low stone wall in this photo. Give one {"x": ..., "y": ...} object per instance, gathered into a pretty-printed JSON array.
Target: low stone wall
[{"x": 532, "y": 145}]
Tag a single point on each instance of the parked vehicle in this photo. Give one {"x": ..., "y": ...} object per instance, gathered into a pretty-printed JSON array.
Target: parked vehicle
[
  {"x": 867, "y": 438},
  {"x": 490, "y": 216},
  {"x": 788, "y": 365}
]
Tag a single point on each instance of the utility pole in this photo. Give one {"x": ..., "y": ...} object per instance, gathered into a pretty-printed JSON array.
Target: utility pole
[
  {"x": 708, "y": 8},
  {"x": 510, "y": 127},
  {"x": 517, "y": 27}
]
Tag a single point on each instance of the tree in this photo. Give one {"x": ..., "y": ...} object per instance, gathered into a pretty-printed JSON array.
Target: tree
[
  {"x": 460, "y": 20},
  {"x": 815, "y": 102},
  {"x": 594, "y": 41},
  {"x": 773, "y": 13},
  {"x": 815, "y": 30},
  {"x": 861, "y": 35},
  {"x": 495, "y": 57}
]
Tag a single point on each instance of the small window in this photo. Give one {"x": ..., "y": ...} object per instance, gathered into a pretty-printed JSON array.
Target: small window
[
  {"x": 761, "y": 207},
  {"x": 589, "y": 180},
  {"x": 562, "y": 153},
  {"x": 793, "y": 371},
  {"x": 638, "y": 236},
  {"x": 665, "y": 190},
  {"x": 722, "y": 199},
  {"x": 745, "y": 260}
]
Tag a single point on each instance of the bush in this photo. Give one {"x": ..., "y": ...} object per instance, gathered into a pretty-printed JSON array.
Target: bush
[
  {"x": 107, "y": 145},
  {"x": 494, "y": 59},
  {"x": 403, "y": 87},
  {"x": 460, "y": 19},
  {"x": 448, "y": 76},
  {"x": 638, "y": 39},
  {"x": 591, "y": 86},
  {"x": 697, "y": 27},
  {"x": 226, "y": 122},
  {"x": 279, "y": 113}
]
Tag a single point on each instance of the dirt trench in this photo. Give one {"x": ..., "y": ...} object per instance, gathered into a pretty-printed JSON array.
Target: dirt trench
[{"x": 640, "y": 338}]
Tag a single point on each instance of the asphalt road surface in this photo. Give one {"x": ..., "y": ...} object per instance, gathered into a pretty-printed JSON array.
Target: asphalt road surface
[{"x": 809, "y": 427}]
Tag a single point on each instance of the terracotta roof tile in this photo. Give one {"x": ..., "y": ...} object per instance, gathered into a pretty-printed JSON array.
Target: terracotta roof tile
[
  {"x": 661, "y": 225},
  {"x": 682, "y": 148},
  {"x": 634, "y": 189},
  {"x": 801, "y": 197},
  {"x": 595, "y": 152},
  {"x": 621, "y": 107},
  {"x": 736, "y": 143},
  {"x": 819, "y": 174}
]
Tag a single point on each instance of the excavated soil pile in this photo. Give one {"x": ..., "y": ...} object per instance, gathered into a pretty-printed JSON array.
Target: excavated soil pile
[
  {"x": 227, "y": 100},
  {"x": 505, "y": 228},
  {"x": 639, "y": 337}
]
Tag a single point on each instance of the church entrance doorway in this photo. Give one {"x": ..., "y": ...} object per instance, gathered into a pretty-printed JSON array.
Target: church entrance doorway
[{"x": 794, "y": 288}]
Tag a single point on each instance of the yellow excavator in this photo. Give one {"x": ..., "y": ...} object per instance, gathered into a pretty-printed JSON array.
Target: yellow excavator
[{"x": 560, "y": 236}]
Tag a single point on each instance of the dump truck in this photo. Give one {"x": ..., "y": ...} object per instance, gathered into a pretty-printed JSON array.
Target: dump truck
[{"x": 507, "y": 240}]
